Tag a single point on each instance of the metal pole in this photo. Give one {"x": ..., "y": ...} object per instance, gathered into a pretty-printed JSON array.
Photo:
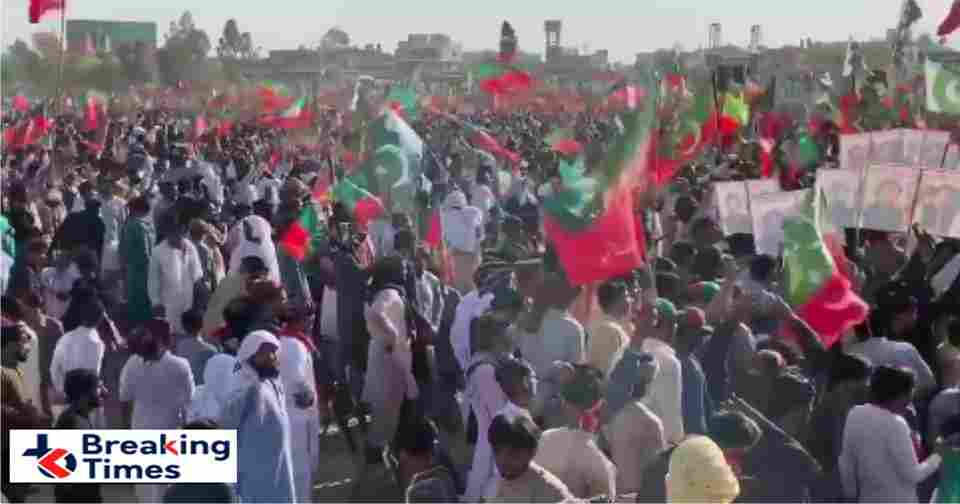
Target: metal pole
[{"x": 58, "y": 107}]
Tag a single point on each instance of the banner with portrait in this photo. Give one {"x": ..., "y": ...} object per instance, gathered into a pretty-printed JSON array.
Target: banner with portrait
[
  {"x": 938, "y": 203},
  {"x": 769, "y": 212},
  {"x": 888, "y": 194},
  {"x": 841, "y": 192},
  {"x": 733, "y": 207}
]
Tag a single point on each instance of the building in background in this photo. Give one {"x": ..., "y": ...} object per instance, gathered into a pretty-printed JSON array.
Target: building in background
[{"x": 86, "y": 36}]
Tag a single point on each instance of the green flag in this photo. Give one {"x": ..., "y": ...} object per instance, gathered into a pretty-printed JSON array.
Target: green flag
[
  {"x": 943, "y": 79},
  {"x": 405, "y": 100}
]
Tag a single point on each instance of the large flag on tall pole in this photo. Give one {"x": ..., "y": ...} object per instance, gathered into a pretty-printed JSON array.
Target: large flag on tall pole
[{"x": 40, "y": 7}]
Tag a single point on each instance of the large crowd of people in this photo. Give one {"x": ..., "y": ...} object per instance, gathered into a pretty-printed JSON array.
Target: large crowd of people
[{"x": 150, "y": 289}]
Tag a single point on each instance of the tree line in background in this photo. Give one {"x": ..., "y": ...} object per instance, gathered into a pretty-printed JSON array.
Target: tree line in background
[{"x": 183, "y": 57}]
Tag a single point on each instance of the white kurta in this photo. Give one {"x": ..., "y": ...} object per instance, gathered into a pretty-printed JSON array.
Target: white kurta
[
  {"x": 389, "y": 377},
  {"x": 210, "y": 398},
  {"x": 80, "y": 348},
  {"x": 173, "y": 274},
  {"x": 486, "y": 399},
  {"x": 160, "y": 391},
  {"x": 296, "y": 374}
]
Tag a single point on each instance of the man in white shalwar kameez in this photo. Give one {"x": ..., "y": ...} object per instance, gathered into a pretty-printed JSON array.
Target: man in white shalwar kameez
[
  {"x": 389, "y": 379},
  {"x": 296, "y": 374},
  {"x": 174, "y": 270},
  {"x": 462, "y": 228}
]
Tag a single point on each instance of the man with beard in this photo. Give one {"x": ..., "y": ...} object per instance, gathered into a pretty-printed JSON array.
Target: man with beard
[
  {"x": 159, "y": 386},
  {"x": 18, "y": 412},
  {"x": 84, "y": 392},
  {"x": 257, "y": 410}
]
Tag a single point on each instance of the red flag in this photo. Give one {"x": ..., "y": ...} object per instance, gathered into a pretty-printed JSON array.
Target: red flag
[
  {"x": 606, "y": 249},
  {"x": 40, "y": 7},
  {"x": 435, "y": 232},
  {"x": 21, "y": 103},
  {"x": 952, "y": 21},
  {"x": 199, "y": 127},
  {"x": 28, "y": 132}
]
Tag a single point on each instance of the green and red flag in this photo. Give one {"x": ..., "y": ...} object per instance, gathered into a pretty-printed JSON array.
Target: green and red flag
[
  {"x": 590, "y": 220},
  {"x": 562, "y": 140},
  {"x": 296, "y": 116},
  {"x": 736, "y": 108},
  {"x": 499, "y": 78},
  {"x": 299, "y": 239},
  {"x": 28, "y": 131},
  {"x": 273, "y": 97},
  {"x": 404, "y": 101},
  {"x": 362, "y": 204},
  {"x": 479, "y": 138},
  {"x": 817, "y": 287}
]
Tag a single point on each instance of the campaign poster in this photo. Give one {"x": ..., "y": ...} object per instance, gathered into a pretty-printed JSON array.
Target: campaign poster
[
  {"x": 769, "y": 212},
  {"x": 733, "y": 208},
  {"x": 888, "y": 197},
  {"x": 841, "y": 191},
  {"x": 938, "y": 203}
]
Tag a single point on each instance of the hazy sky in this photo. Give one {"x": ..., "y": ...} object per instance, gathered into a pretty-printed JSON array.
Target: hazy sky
[{"x": 622, "y": 26}]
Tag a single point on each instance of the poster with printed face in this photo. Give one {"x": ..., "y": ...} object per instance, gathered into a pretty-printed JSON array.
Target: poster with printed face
[
  {"x": 938, "y": 203},
  {"x": 763, "y": 186},
  {"x": 841, "y": 190},
  {"x": 855, "y": 151},
  {"x": 732, "y": 208},
  {"x": 888, "y": 197},
  {"x": 913, "y": 146},
  {"x": 934, "y": 142},
  {"x": 769, "y": 211}
]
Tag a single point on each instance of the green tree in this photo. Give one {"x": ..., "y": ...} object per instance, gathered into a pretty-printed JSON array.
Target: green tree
[
  {"x": 335, "y": 38},
  {"x": 234, "y": 48},
  {"x": 138, "y": 61},
  {"x": 185, "y": 47}
]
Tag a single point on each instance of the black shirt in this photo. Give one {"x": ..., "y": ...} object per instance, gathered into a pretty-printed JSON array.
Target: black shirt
[{"x": 75, "y": 492}]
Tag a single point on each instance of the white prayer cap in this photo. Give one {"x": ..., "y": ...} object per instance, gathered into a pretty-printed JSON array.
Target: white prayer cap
[{"x": 253, "y": 342}]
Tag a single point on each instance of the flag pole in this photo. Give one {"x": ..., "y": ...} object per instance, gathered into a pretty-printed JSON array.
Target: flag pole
[{"x": 58, "y": 107}]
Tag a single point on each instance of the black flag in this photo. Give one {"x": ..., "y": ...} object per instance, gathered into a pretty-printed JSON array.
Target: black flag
[{"x": 508, "y": 42}]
